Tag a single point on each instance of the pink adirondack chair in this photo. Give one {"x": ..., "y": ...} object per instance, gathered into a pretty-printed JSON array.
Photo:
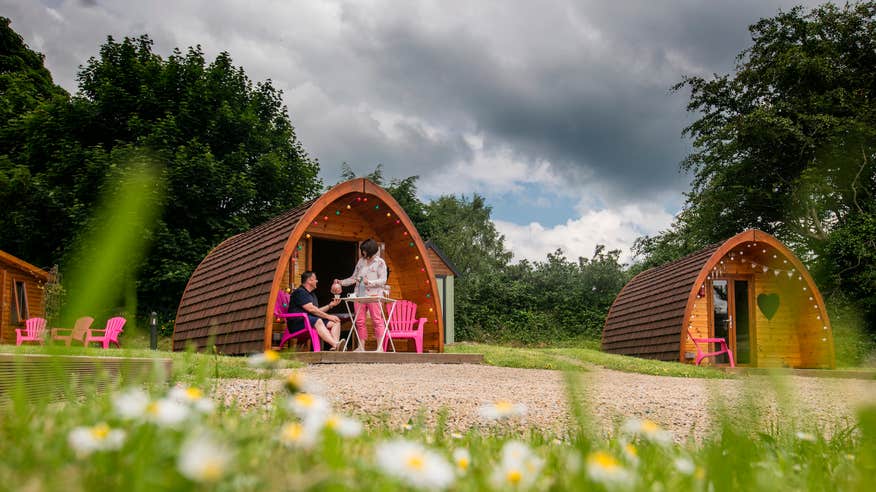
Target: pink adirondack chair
[
  {"x": 701, "y": 354},
  {"x": 34, "y": 329},
  {"x": 78, "y": 332},
  {"x": 281, "y": 311},
  {"x": 114, "y": 327},
  {"x": 405, "y": 324}
]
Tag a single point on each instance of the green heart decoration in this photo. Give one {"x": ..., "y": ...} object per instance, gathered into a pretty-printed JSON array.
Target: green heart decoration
[{"x": 768, "y": 304}]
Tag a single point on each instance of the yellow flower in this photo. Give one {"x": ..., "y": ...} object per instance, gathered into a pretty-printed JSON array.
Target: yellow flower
[
  {"x": 462, "y": 459},
  {"x": 605, "y": 468},
  {"x": 100, "y": 437},
  {"x": 501, "y": 409},
  {"x": 417, "y": 466},
  {"x": 202, "y": 459}
]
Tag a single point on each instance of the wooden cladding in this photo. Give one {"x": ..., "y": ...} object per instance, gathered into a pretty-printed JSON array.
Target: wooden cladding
[
  {"x": 654, "y": 312},
  {"x": 231, "y": 294}
]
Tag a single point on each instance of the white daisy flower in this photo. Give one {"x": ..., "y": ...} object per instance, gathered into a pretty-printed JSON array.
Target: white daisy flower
[
  {"x": 414, "y": 464},
  {"x": 462, "y": 460},
  {"x": 805, "y": 436},
  {"x": 203, "y": 459},
  {"x": 86, "y": 440},
  {"x": 456, "y": 435},
  {"x": 605, "y": 468},
  {"x": 167, "y": 412},
  {"x": 631, "y": 453},
  {"x": 684, "y": 465},
  {"x": 296, "y": 382},
  {"x": 343, "y": 426},
  {"x": 501, "y": 409},
  {"x": 268, "y": 359},
  {"x": 131, "y": 404},
  {"x": 308, "y": 405},
  {"x": 193, "y": 397},
  {"x": 519, "y": 467},
  {"x": 647, "y": 429},
  {"x": 299, "y": 435}
]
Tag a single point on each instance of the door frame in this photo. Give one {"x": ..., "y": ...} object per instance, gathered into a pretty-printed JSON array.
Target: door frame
[{"x": 731, "y": 278}]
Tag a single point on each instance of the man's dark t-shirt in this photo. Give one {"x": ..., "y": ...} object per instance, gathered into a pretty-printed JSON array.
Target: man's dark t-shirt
[{"x": 300, "y": 297}]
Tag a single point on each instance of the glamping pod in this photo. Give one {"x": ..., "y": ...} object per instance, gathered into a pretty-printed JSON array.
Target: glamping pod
[
  {"x": 231, "y": 294},
  {"x": 22, "y": 295},
  {"x": 750, "y": 290}
]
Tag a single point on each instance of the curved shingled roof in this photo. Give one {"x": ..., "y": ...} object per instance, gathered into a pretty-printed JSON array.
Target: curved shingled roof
[
  {"x": 230, "y": 296},
  {"x": 646, "y": 317}
]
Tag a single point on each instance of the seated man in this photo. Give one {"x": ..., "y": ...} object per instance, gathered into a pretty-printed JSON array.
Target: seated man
[{"x": 303, "y": 300}]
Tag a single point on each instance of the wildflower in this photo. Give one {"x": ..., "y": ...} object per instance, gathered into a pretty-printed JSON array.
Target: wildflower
[
  {"x": 296, "y": 382},
  {"x": 192, "y": 396},
  {"x": 167, "y": 412},
  {"x": 308, "y": 405},
  {"x": 603, "y": 467},
  {"x": 414, "y": 464},
  {"x": 202, "y": 459},
  {"x": 501, "y": 409},
  {"x": 268, "y": 359},
  {"x": 407, "y": 427},
  {"x": 86, "y": 440},
  {"x": 131, "y": 404},
  {"x": 455, "y": 435},
  {"x": 647, "y": 429},
  {"x": 519, "y": 467},
  {"x": 298, "y": 435},
  {"x": 805, "y": 436},
  {"x": 684, "y": 466},
  {"x": 462, "y": 460},
  {"x": 631, "y": 453},
  {"x": 343, "y": 426}
]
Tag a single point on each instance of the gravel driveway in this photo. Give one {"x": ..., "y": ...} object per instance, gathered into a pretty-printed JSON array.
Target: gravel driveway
[{"x": 375, "y": 392}]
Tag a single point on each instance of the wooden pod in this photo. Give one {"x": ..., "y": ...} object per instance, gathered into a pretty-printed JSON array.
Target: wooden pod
[
  {"x": 21, "y": 296},
  {"x": 751, "y": 290},
  {"x": 229, "y": 299}
]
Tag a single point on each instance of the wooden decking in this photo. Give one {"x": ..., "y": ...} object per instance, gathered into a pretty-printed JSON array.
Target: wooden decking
[
  {"x": 52, "y": 377},
  {"x": 385, "y": 358},
  {"x": 868, "y": 374}
]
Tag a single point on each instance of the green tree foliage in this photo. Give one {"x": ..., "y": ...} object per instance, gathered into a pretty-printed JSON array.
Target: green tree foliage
[
  {"x": 228, "y": 154},
  {"x": 786, "y": 144}
]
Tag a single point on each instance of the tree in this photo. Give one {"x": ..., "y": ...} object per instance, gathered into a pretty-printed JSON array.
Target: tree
[
  {"x": 228, "y": 154},
  {"x": 786, "y": 143}
]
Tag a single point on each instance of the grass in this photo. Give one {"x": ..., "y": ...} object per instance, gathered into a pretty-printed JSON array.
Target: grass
[
  {"x": 249, "y": 451},
  {"x": 579, "y": 359}
]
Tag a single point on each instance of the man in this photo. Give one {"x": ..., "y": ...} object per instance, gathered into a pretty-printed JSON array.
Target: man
[{"x": 304, "y": 300}]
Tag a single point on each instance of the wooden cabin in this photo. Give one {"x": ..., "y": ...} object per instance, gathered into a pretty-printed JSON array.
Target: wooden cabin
[
  {"x": 750, "y": 290},
  {"x": 445, "y": 276},
  {"x": 231, "y": 294},
  {"x": 22, "y": 295}
]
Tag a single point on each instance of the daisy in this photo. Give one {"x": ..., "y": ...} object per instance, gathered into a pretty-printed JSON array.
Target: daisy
[
  {"x": 192, "y": 396},
  {"x": 684, "y": 465},
  {"x": 648, "y": 429},
  {"x": 269, "y": 359},
  {"x": 603, "y": 467},
  {"x": 167, "y": 412},
  {"x": 296, "y": 382},
  {"x": 519, "y": 467},
  {"x": 501, "y": 409},
  {"x": 631, "y": 453},
  {"x": 299, "y": 435},
  {"x": 202, "y": 459},
  {"x": 130, "y": 404},
  {"x": 343, "y": 426},
  {"x": 805, "y": 436},
  {"x": 414, "y": 464},
  {"x": 462, "y": 460},
  {"x": 86, "y": 440},
  {"x": 308, "y": 405}
]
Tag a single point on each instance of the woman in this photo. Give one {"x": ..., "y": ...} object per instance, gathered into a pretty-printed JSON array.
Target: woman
[{"x": 370, "y": 279}]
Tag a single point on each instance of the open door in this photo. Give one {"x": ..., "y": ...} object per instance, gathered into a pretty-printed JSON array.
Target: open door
[
  {"x": 331, "y": 259},
  {"x": 731, "y": 317}
]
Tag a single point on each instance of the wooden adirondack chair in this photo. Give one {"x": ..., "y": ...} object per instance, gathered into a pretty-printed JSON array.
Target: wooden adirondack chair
[
  {"x": 281, "y": 312},
  {"x": 34, "y": 331},
  {"x": 701, "y": 354},
  {"x": 405, "y": 324},
  {"x": 78, "y": 332},
  {"x": 108, "y": 335}
]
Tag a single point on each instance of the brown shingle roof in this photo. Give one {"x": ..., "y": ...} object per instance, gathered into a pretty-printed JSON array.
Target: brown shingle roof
[
  {"x": 647, "y": 316},
  {"x": 227, "y": 295}
]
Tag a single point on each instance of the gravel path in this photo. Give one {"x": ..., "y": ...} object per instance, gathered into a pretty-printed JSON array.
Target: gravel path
[{"x": 395, "y": 393}]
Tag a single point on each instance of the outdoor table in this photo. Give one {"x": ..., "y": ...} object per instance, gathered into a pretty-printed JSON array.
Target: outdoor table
[{"x": 348, "y": 301}]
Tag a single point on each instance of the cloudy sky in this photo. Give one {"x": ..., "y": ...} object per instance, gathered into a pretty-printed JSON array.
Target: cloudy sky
[{"x": 558, "y": 112}]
